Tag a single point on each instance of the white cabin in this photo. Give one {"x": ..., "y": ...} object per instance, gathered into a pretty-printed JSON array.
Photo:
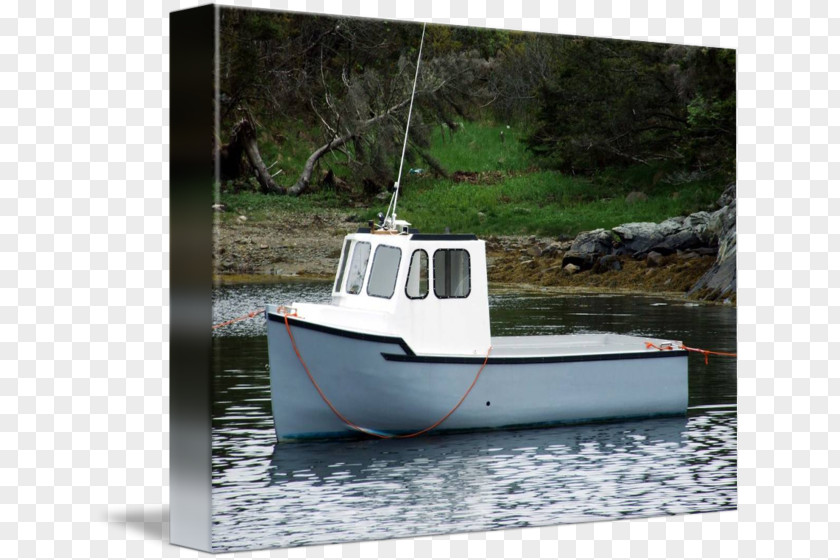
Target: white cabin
[{"x": 428, "y": 289}]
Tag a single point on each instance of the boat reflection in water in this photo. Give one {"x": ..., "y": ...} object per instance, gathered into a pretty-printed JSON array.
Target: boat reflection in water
[
  {"x": 550, "y": 454},
  {"x": 504, "y": 479}
]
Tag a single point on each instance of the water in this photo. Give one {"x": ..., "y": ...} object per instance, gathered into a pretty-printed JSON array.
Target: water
[{"x": 267, "y": 494}]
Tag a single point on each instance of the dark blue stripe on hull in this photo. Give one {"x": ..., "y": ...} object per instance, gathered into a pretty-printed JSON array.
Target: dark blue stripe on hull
[
  {"x": 533, "y": 359},
  {"x": 410, "y": 356}
]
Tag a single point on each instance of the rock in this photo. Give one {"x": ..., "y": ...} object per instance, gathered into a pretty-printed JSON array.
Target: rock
[
  {"x": 607, "y": 263},
  {"x": 720, "y": 282},
  {"x": 697, "y": 221},
  {"x": 721, "y": 221},
  {"x": 580, "y": 260},
  {"x": 599, "y": 241},
  {"x": 571, "y": 269},
  {"x": 654, "y": 259},
  {"x": 667, "y": 237},
  {"x": 664, "y": 250},
  {"x": 706, "y": 251},
  {"x": 635, "y": 196},
  {"x": 554, "y": 249},
  {"x": 699, "y": 224},
  {"x": 534, "y": 251},
  {"x": 728, "y": 196},
  {"x": 587, "y": 247},
  {"x": 242, "y": 218},
  {"x": 638, "y": 236},
  {"x": 219, "y": 207}
]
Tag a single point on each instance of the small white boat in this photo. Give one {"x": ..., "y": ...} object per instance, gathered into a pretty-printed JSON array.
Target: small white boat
[{"x": 405, "y": 348}]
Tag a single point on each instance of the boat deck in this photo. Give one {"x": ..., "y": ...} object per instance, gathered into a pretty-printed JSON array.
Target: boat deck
[{"x": 570, "y": 345}]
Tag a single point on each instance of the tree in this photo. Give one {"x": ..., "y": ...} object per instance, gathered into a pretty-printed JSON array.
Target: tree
[
  {"x": 620, "y": 103},
  {"x": 353, "y": 79}
]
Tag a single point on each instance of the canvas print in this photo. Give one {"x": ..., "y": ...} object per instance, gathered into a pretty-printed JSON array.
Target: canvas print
[{"x": 463, "y": 279}]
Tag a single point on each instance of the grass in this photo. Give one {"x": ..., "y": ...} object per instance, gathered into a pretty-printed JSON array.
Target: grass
[
  {"x": 260, "y": 207},
  {"x": 478, "y": 147},
  {"x": 540, "y": 203},
  {"x": 512, "y": 196}
]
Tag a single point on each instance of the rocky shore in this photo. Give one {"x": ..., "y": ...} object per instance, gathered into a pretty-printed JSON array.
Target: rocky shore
[{"x": 692, "y": 256}]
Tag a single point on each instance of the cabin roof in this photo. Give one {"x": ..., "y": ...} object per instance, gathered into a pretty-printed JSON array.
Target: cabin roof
[{"x": 415, "y": 235}]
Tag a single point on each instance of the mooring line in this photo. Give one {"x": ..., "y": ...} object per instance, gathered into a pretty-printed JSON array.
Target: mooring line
[{"x": 353, "y": 425}]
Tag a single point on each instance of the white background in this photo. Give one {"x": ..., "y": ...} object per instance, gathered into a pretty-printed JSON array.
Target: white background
[{"x": 84, "y": 314}]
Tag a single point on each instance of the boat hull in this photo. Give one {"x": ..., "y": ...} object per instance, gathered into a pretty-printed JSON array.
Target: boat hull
[{"x": 377, "y": 383}]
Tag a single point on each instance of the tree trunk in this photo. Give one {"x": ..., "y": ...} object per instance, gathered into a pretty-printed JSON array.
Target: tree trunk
[
  {"x": 248, "y": 137},
  {"x": 303, "y": 181},
  {"x": 431, "y": 161},
  {"x": 306, "y": 175}
]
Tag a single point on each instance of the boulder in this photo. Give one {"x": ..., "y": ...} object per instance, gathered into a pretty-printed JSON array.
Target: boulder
[
  {"x": 673, "y": 234},
  {"x": 553, "y": 249},
  {"x": 599, "y": 241},
  {"x": 587, "y": 247},
  {"x": 654, "y": 259},
  {"x": 638, "y": 237},
  {"x": 699, "y": 224},
  {"x": 571, "y": 269},
  {"x": 534, "y": 251},
  {"x": 580, "y": 260},
  {"x": 728, "y": 196},
  {"x": 720, "y": 281},
  {"x": 607, "y": 263}
]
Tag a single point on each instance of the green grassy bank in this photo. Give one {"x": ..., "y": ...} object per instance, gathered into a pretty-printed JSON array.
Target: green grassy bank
[{"x": 504, "y": 191}]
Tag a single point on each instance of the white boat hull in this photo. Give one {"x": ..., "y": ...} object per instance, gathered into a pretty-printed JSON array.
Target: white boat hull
[{"x": 376, "y": 382}]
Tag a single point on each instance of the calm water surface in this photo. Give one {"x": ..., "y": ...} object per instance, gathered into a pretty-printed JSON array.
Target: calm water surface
[{"x": 267, "y": 494}]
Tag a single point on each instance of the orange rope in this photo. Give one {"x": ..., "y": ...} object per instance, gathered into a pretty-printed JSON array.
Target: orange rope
[
  {"x": 250, "y": 315},
  {"x": 705, "y": 353},
  {"x": 356, "y": 426}
]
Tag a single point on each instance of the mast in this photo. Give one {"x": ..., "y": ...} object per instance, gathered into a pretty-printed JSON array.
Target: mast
[{"x": 391, "y": 213}]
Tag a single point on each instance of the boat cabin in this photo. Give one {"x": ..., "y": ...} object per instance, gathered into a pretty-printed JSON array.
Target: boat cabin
[{"x": 428, "y": 289}]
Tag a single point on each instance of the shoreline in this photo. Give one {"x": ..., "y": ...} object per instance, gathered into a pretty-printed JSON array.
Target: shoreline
[
  {"x": 495, "y": 287},
  {"x": 307, "y": 248}
]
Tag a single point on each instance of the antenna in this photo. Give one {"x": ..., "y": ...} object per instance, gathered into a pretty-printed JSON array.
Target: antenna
[{"x": 391, "y": 212}]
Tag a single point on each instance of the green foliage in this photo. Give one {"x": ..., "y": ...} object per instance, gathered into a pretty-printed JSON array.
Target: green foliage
[
  {"x": 620, "y": 103},
  {"x": 518, "y": 200},
  {"x": 584, "y": 121},
  {"x": 481, "y": 146},
  {"x": 542, "y": 203}
]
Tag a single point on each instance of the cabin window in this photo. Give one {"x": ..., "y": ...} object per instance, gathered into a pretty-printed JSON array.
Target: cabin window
[
  {"x": 342, "y": 267},
  {"x": 417, "y": 285},
  {"x": 358, "y": 266},
  {"x": 452, "y": 273},
  {"x": 383, "y": 271}
]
